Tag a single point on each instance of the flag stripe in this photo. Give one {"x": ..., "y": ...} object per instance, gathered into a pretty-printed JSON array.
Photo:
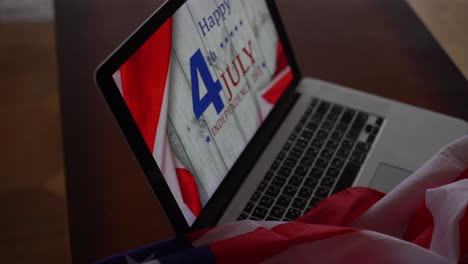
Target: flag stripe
[
  {"x": 188, "y": 188},
  {"x": 144, "y": 77}
]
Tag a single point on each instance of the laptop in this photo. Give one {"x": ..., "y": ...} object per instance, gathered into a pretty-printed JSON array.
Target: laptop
[{"x": 212, "y": 103}]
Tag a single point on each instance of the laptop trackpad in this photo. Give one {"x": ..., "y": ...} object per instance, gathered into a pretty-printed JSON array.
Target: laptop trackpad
[{"x": 387, "y": 176}]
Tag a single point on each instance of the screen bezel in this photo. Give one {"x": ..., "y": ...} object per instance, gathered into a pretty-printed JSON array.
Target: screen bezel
[{"x": 213, "y": 210}]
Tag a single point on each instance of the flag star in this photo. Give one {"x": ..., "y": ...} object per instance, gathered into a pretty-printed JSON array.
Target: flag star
[
  {"x": 132, "y": 261},
  {"x": 221, "y": 45},
  {"x": 208, "y": 139},
  {"x": 264, "y": 65},
  {"x": 232, "y": 33},
  {"x": 226, "y": 40},
  {"x": 236, "y": 28},
  {"x": 240, "y": 22}
]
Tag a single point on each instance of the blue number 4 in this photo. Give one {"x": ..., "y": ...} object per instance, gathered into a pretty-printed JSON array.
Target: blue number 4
[{"x": 198, "y": 65}]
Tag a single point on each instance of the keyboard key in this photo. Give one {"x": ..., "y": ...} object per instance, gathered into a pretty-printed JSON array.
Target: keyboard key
[
  {"x": 363, "y": 147},
  {"x": 314, "y": 102},
  {"x": 326, "y": 154},
  {"x": 312, "y": 152},
  {"x": 332, "y": 172},
  {"x": 275, "y": 165},
  {"x": 352, "y": 135},
  {"x": 284, "y": 201},
  {"x": 269, "y": 175},
  {"x": 316, "y": 118},
  {"x": 242, "y": 217},
  {"x": 318, "y": 142},
  {"x": 255, "y": 196},
  {"x": 248, "y": 208},
  {"x": 305, "y": 193},
  {"x": 262, "y": 186},
  {"x": 293, "y": 136},
  {"x": 289, "y": 191},
  {"x": 368, "y": 128},
  {"x": 297, "y": 129},
  {"x": 336, "y": 109},
  {"x": 290, "y": 162},
  {"x": 277, "y": 212},
  {"x": 299, "y": 203},
  {"x": 272, "y": 191},
  {"x": 287, "y": 146},
  {"x": 301, "y": 144},
  {"x": 311, "y": 126},
  {"x": 307, "y": 161},
  {"x": 295, "y": 153},
  {"x": 337, "y": 163},
  {"x": 332, "y": 117},
  {"x": 347, "y": 116},
  {"x": 284, "y": 171},
  {"x": 301, "y": 171},
  {"x": 359, "y": 122},
  {"x": 331, "y": 144},
  {"x": 322, "y": 192},
  {"x": 336, "y": 135},
  {"x": 293, "y": 214},
  {"x": 375, "y": 131},
  {"x": 278, "y": 181},
  {"x": 281, "y": 156},
  {"x": 306, "y": 135},
  {"x": 342, "y": 127},
  {"x": 322, "y": 134},
  {"x": 295, "y": 181},
  {"x": 327, "y": 125},
  {"x": 311, "y": 183},
  {"x": 347, "y": 177},
  {"x": 315, "y": 201},
  {"x": 327, "y": 182},
  {"x": 357, "y": 157},
  {"x": 316, "y": 173},
  {"x": 342, "y": 153},
  {"x": 370, "y": 139},
  {"x": 266, "y": 201},
  {"x": 347, "y": 144},
  {"x": 323, "y": 107},
  {"x": 259, "y": 212},
  {"x": 321, "y": 163},
  {"x": 379, "y": 121}
]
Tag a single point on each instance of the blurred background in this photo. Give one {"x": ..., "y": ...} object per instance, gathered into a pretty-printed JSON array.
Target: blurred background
[{"x": 33, "y": 222}]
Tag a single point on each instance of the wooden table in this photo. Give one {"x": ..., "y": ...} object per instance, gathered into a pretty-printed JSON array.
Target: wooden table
[{"x": 378, "y": 46}]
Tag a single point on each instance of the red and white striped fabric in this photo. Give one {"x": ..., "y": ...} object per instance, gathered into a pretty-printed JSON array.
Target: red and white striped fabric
[
  {"x": 144, "y": 83},
  {"x": 280, "y": 80},
  {"x": 423, "y": 220}
]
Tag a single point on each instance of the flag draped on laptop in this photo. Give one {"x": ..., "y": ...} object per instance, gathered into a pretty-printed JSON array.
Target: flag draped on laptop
[{"x": 422, "y": 220}]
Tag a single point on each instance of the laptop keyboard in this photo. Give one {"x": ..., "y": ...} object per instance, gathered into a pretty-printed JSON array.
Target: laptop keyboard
[{"x": 322, "y": 156}]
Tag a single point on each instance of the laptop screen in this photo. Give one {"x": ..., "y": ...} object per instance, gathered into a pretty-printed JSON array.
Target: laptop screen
[{"x": 200, "y": 87}]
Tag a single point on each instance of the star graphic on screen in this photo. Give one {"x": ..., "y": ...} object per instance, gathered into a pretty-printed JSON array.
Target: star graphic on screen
[{"x": 208, "y": 139}]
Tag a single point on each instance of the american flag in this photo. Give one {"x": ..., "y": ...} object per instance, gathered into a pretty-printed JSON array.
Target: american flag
[{"x": 422, "y": 220}]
